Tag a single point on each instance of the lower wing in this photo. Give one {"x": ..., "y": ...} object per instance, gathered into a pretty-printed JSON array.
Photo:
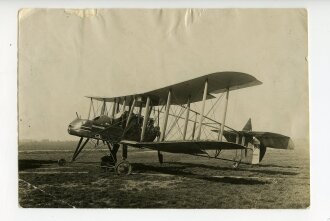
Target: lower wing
[{"x": 187, "y": 147}]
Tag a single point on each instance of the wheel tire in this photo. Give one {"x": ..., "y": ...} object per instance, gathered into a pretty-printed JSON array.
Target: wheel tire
[
  {"x": 61, "y": 162},
  {"x": 123, "y": 168}
]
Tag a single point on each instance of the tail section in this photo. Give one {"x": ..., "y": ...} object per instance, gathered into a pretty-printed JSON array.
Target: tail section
[
  {"x": 248, "y": 126},
  {"x": 255, "y": 156},
  {"x": 262, "y": 152},
  {"x": 256, "y": 153}
]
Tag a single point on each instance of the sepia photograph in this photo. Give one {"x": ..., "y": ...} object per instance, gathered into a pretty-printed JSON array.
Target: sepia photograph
[{"x": 163, "y": 108}]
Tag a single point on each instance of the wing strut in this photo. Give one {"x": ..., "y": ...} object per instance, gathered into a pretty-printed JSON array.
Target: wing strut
[
  {"x": 167, "y": 110},
  {"x": 124, "y": 105},
  {"x": 202, "y": 113},
  {"x": 103, "y": 107},
  {"x": 194, "y": 127},
  {"x": 90, "y": 108},
  {"x": 145, "y": 120},
  {"x": 117, "y": 106},
  {"x": 222, "y": 127},
  {"x": 186, "y": 119},
  {"x": 113, "y": 108},
  {"x": 131, "y": 112}
]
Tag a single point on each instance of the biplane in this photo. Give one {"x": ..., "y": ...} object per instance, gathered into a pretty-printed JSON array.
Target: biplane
[{"x": 175, "y": 119}]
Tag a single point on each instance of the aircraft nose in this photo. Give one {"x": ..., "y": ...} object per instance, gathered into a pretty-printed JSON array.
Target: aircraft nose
[
  {"x": 74, "y": 126},
  {"x": 69, "y": 128}
]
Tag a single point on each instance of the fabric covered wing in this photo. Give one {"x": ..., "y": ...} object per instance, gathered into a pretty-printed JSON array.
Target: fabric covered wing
[
  {"x": 217, "y": 83},
  {"x": 187, "y": 147}
]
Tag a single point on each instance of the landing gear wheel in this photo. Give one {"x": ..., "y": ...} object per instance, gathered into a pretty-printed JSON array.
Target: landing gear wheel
[
  {"x": 160, "y": 158},
  {"x": 235, "y": 165},
  {"x": 61, "y": 162},
  {"x": 123, "y": 168}
]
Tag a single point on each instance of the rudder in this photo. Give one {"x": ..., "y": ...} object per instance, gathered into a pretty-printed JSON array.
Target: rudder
[{"x": 248, "y": 125}]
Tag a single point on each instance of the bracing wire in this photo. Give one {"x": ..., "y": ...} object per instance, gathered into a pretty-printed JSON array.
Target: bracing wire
[
  {"x": 175, "y": 120},
  {"x": 219, "y": 98}
]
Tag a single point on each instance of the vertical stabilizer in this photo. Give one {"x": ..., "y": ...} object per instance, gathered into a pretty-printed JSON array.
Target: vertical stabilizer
[{"x": 248, "y": 126}]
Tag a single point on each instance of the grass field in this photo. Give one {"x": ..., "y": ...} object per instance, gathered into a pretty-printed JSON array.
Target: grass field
[{"x": 183, "y": 181}]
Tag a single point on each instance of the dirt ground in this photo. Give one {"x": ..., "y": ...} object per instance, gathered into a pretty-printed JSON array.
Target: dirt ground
[{"x": 183, "y": 181}]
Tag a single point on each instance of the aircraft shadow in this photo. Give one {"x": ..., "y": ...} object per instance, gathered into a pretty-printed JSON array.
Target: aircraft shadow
[
  {"x": 273, "y": 165},
  {"x": 178, "y": 171},
  {"x": 33, "y": 164},
  {"x": 268, "y": 172}
]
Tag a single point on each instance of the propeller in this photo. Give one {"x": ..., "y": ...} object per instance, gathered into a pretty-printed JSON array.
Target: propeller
[{"x": 78, "y": 115}]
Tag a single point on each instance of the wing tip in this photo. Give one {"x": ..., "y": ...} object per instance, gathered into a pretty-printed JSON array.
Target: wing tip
[{"x": 290, "y": 144}]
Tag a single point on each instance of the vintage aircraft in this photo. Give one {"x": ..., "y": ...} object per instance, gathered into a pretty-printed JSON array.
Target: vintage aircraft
[{"x": 155, "y": 120}]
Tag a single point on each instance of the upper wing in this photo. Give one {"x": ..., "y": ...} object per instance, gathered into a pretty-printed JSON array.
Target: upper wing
[
  {"x": 217, "y": 82},
  {"x": 188, "y": 147}
]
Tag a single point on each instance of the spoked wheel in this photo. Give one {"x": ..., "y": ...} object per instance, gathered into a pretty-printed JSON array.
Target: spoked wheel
[
  {"x": 61, "y": 162},
  {"x": 123, "y": 168}
]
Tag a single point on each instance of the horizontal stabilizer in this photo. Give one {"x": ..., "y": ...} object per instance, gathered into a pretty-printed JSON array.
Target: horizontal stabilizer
[
  {"x": 267, "y": 139},
  {"x": 187, "y": 147},
  {"x": 274, "y": 140}
]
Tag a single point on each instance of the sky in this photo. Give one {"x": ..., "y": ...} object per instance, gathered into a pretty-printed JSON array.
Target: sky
[{"x": 65, "y": 55}]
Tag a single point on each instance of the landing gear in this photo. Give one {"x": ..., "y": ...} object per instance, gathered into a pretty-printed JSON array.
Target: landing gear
[
  {"x": 160, "y": 157},
  {"x": 113, "y": 150},
  {"x": 123, "y": 168},
  {"x": 124, "y": 153},
  {"x": 79, "y": 148},
  {"x": 110, "y": 162}
]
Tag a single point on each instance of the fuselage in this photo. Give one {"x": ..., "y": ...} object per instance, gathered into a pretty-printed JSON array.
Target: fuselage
[{"x": 112, "y": 129}]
